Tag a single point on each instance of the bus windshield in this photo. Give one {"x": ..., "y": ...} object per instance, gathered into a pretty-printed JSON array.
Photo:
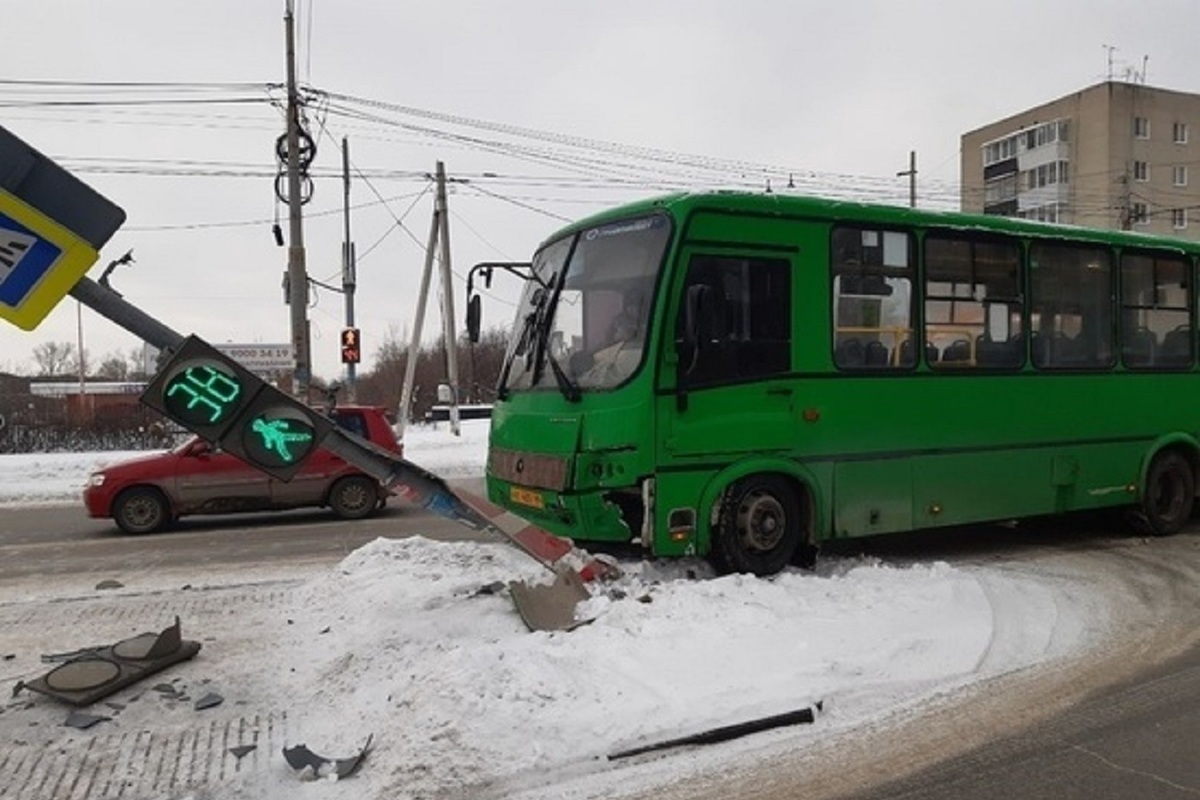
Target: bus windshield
[{"x": 583, "y": 319}]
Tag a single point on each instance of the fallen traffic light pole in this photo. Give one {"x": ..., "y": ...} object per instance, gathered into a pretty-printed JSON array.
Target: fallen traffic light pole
[{"x": 220, "y": 395}]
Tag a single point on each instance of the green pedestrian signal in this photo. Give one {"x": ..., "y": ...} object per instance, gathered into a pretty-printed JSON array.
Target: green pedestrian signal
[{"x": 278, "y": 438}]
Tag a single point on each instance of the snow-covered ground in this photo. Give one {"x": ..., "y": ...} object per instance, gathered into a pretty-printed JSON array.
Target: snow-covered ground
[{"x": 463, "y": 701}]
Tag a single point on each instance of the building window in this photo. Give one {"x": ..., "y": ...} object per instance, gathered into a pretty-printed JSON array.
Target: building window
[
  {"x": 1000, "y": 190},
  {"x": 1179, "y": 218},
  {"x": 1141, "y": 127},
  {"x": 1051, "y": 212},
  {"x": 1179, "y": 133},
  {"x": 1045, "y": 175},
  {"x": 1141, "y": 171},
  {"x": 1139, "y": 214},
  {"x": 1000, "y": 150},
  {"x": 1179, "y": 176}
]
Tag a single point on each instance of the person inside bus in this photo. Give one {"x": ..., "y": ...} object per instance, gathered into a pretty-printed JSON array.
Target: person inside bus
[{"x": 616, "y": 361}]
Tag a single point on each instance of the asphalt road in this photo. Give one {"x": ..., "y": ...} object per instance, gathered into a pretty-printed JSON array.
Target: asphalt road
[
  {"x": 1139, "y": 740},
  {"x": 55, "y": 541}
]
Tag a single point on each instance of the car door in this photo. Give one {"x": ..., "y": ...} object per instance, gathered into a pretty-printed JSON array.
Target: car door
[
  {"x": 310, "y": 485},
  {"x": 205, "y": 477}
]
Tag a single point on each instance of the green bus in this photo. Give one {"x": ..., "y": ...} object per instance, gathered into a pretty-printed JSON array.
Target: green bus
[{"x": 745, "y": 376}]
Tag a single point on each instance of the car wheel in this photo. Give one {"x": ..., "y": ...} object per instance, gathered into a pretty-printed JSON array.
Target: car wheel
[
  {"x": 141, "y": 509},
  {"x": 759, "y": 528},
  {"x": 354, "y": 497}
]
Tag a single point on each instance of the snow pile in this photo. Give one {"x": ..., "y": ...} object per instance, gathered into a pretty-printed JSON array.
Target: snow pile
[{"x": 460, "y": 697}]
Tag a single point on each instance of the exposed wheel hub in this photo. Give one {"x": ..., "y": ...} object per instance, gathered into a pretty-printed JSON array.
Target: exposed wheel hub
[{"x": 761, "y": 522}]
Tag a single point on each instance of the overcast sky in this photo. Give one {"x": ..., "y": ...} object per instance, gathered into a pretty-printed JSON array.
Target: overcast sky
[{"x": 522, "y": 101}]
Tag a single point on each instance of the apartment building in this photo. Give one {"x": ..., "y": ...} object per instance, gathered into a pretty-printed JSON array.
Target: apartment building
[{"x": 1115, "y": 155}]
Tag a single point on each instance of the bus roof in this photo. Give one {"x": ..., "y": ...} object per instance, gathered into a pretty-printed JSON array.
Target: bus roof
[{"x": 682, "y": 204}]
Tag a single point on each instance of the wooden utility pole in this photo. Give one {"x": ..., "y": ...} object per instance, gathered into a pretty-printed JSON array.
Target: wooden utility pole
[
  {"x": 439, "y": 232},
  {"x": 449, "y": 331},
  {"x": 297, "y": 269},
  {"x": 911, "y": 172},
  {"x": 414, "y": 345},
  {"x": 349, "y": 277}
]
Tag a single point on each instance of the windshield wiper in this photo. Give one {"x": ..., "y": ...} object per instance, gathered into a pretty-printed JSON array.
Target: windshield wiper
[
  {"x": 565, "y": 384},
  {"x": 542, "y": 354},
  {"x": 522, "y": 347}
]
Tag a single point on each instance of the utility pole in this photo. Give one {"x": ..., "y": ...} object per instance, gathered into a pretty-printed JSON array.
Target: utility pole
[
  {"x": 349, "y": 278},
  {"x": 911, "y": 172},
  {"x": 297, "y": 269},
  {"x": 82, "y": 365},
  {"x": 448, "y": 329},
  {"x": 439, "y": 233},
  {"x": 414, "y": 344}
]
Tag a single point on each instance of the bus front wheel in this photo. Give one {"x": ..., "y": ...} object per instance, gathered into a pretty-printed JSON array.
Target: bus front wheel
[
  {"x": 1169, "y": 495},
  {"x": 759, "y": 528}
]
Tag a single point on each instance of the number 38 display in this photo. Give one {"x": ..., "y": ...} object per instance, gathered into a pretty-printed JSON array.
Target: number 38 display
[{"x": 212, "y": 395}]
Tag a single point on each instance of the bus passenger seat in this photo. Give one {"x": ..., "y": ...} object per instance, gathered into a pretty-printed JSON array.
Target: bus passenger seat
[
  {"x": 993, "y": 353},
  {"x": 1176, "y": 348},
  {"x": 1138, "y": 348},
  {"x": 958, "y": 350},
  {"x": 876, "y": 354},
  {"x": 849, "y": 353}
]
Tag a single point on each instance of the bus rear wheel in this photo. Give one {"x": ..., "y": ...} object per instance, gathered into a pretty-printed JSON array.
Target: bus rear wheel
[
  {"x": 759, "y": 529},
  {"x": 1169, "y": 495}
]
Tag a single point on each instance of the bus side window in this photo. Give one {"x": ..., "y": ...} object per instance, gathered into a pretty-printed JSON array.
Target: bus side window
[
  {"x": 1156, "y": 311},
  {"x": 749, "y": 332},
  {"x": 872, "y": 298},
  {"x": 973, "y": 304},
  {"x": 1070, "y": 305}
]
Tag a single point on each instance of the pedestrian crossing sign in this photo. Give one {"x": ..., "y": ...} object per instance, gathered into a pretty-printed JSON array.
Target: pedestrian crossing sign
[{"x": 40, "y": 261}]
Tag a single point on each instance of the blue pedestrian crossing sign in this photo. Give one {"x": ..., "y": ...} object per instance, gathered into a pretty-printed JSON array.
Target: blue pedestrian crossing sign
[{"x": 40, "y": 260}]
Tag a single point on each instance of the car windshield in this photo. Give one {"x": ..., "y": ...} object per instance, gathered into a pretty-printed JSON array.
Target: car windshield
[{"x": 582, "y": 323}]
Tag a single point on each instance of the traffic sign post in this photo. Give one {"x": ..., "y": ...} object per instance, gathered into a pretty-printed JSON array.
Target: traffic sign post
[{"x": 52, "y": 226}]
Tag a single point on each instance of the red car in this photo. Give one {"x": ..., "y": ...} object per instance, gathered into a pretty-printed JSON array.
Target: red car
[{"x": 148, "y": 493}]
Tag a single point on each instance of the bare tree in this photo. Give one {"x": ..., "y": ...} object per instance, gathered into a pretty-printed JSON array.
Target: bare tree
[
  {"x": 382, "y": 385},
  {"x": 113, "y": 368},
  {"x": 55, "y": 358}
]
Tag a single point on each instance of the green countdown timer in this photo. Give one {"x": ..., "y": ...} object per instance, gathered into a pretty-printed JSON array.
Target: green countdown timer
[
  {"x": 203, "y": 393},
  {"x": 278, "y": 437}
]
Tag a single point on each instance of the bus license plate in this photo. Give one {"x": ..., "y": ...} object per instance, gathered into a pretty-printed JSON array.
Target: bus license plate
[{"x": 526, "y": 497}]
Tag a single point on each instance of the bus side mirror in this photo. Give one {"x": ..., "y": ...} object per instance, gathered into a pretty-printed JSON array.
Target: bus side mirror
[{"x": 474, "y": 311}]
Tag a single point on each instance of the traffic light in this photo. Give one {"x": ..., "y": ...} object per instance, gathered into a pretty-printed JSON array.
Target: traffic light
[
  {"x": 213, "y": 396},
  {"x": 351, "y": 346}
]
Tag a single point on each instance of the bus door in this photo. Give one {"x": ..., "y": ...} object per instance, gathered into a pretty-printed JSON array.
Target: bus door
[{"x": 727, "y": 379}]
